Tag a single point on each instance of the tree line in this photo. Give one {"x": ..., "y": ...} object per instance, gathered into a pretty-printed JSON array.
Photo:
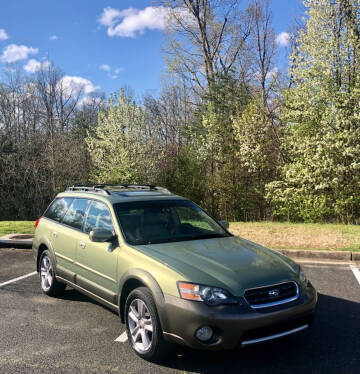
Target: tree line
[{"x": 228, "y": 130}]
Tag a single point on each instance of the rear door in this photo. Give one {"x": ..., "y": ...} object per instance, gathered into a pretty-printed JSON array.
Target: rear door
[
  {"x": 51, "y": 220},
  {"x": 67, "y": 237},
  {"x": 97, "y": 262}
]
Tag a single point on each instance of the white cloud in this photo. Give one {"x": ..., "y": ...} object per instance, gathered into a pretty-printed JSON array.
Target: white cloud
[
  {"x": 78, "y": 85},
  {"x": 14, "y": 52},
  {"x": 105, "y": 67},
  {"x": 89, "y": 100},
  {"x": 110, "y": 15},
  {"x": 116, "y": 73},
  {"x": 283, "y": 39},
  {"x": 33, "y": 65},
  {"x": 273, "y": 74},
  {"x": 112, "y": 73},
  {"x": 131, "y": 21},
  {"x": 3, "y": 35},
  {"x": 53, "y": 37}
]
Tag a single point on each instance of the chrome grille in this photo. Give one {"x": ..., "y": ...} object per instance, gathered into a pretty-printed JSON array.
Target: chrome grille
[{"x": 273, "y": 295}]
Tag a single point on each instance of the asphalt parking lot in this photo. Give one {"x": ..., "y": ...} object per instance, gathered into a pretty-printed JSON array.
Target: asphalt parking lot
[{"x": 74, "y": 334}]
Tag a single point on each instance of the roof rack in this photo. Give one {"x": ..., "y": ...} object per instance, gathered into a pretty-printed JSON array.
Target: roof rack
[{"x": 100, "y": 188}]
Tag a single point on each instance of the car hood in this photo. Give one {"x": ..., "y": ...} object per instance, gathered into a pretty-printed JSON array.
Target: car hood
[{"x": 232, "y": 263}]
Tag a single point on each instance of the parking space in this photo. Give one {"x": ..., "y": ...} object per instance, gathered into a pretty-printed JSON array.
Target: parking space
[{"x": 75, "y": 334}]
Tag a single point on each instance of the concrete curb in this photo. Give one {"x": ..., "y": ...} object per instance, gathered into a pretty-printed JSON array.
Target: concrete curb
[
  {"x": 15, "y": 244},
  {"x": 322, "y": 255},
  {"x": 16, "y": 241},
  {"x": 355, "y": 256}
]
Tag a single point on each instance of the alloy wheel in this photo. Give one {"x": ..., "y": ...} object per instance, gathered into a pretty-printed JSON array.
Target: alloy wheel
[
  {"x": 140, "y": 325},
  {"x": 46, "y": 274}
]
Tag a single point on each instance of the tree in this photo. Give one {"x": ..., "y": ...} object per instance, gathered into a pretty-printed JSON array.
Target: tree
[
  {"x": 205, "y": 39},
  {"x": 321, "y": 181},
  {"x": 40, "y": 153},
  {"x": 118, "y": 146}
]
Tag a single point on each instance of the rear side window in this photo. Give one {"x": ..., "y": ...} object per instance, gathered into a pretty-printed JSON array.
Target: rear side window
[
  {"x": 74, "y": 217},
  {"x": 58, "y": 208},
  {"x": 98, "y": 217}
]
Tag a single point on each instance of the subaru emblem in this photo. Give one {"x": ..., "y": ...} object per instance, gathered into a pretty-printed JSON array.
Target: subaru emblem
[{"x": 274, "y": 293}]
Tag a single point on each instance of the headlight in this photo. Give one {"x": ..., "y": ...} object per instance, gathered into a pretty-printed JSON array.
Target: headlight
[
  {"x": 302, "y": 276},
  {"x": 209, "y": 295}
]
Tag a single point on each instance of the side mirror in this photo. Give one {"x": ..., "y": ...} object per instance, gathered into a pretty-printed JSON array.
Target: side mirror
[
  {"x": 101, "y": 235},
  {"x": 224, "y": 224}
]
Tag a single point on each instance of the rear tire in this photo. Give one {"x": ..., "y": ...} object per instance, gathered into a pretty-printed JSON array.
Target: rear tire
[
  {"x": 48, "y": 283},
  {"x": 143, "y": 326}
]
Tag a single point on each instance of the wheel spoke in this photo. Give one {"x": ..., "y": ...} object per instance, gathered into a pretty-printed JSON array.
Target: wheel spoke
[
  {"x": 133, "y": 316},
  {"x": 149, "y": 327},
  {"x": 145, "y": 340},
  {"x": 140, "y": 308},
  {"x": 135, "y": 333},
  {"x": 50, "y": 279}
]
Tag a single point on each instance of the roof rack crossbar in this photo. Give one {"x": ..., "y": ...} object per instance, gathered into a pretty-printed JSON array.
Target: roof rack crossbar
[
  {"x": 80, "y": 188},
  {"x": 128, "y": 186}
]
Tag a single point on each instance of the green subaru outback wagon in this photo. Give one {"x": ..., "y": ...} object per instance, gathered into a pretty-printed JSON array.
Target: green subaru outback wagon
[{"x": 173, "y": 273}]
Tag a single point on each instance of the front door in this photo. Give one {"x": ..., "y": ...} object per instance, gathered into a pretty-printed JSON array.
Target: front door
[{"x": 96, "y": 263}]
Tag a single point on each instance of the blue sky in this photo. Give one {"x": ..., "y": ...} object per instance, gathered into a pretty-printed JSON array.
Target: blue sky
[{"x": 124, "y": 50}]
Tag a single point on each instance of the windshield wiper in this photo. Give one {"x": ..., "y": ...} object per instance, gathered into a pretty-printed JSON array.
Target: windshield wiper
[
  {"x": 183, "y": 239},
  {"x": 210, "y": 236}
]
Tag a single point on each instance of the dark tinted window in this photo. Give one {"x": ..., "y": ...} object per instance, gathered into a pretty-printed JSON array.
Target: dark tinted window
[
  {"x": 150, "y": 222},
  {"x": 58, "y": 208},
  {"x": 76, "y": 213},
  {"x": 98, "y": 217}
]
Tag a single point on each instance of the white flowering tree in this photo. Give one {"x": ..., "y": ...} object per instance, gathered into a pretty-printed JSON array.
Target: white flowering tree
[
  {"x": 119, "y": 147},
  {"x": 321, "y": 178}
]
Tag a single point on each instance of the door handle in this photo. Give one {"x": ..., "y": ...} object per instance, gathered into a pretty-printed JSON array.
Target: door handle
[
  {"x": 54, "y": 234},
  {"x": 82, "y": 245}
]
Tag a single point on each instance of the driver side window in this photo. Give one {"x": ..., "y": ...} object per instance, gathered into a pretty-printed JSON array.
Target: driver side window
[{"x": 98, "y": 217}]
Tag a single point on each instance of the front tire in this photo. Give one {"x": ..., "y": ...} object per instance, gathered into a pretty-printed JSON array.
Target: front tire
[
  {"x": 143, "y": 326},
  {"x": 48, "y": 283}
]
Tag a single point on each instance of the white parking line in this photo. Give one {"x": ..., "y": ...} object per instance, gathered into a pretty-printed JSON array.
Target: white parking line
[
  {"x": 356, "y": 272},
  {"x": 17, "y": 279},
  {"x": 122, "y": 338}
]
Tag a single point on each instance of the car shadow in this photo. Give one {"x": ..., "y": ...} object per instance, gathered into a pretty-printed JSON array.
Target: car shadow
[
  {"x": 71, "y": 294},
  {"x": 332, "y": 345}
]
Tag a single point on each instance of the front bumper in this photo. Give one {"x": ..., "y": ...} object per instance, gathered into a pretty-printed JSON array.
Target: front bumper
[{"x": 235, "y": 325}]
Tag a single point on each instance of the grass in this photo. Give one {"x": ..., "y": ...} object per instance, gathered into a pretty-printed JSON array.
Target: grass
[
  {"x": 278, "y": 235},
  {"x": 20, "y": 227},
  {"x": 275, "y": 235}
]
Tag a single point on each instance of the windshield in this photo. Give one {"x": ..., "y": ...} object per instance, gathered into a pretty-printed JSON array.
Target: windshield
[{"x": 151, "y": 222}]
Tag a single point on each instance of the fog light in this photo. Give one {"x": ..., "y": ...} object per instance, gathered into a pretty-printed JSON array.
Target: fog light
[{"x": 204, "y": 333}]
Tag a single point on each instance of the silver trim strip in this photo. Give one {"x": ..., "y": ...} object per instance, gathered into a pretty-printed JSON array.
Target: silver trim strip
[
  {"x": 264, "y": 339},
  {"x": 95, "y": 272},
  {"x": 57, "y": 254},
  {"x": 275, "y": 303}
]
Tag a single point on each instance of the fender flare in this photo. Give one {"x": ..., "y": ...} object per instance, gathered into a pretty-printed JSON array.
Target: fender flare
[
  {"x": 148, "y": 281},
  {"x": 46, "y": 242}
]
